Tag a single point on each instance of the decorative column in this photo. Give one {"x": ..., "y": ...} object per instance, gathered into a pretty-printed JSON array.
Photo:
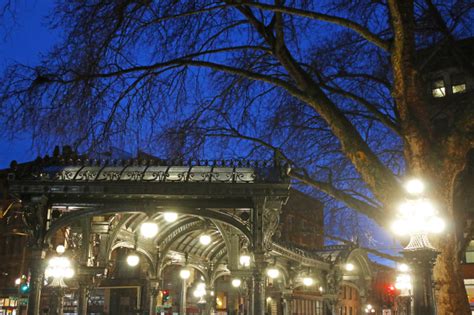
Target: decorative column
[
  {"x": 331, "y": 289},
  {"x": 182, "y": 304},
  {"x": 56, "y": 305},
  {"x": 258, "y": 234},
  {"x": 35, "y": 213},
  {"x": 84, "y": 261},
  {"x": 36, "y": 281},
  {"x": 259, "y": 286},
  {"x": 231, "y": 302},
  {"x": 286, "y": 301},
  {"x": 250, "y": 296},
  {"x": 153, "y": 286},
  {"x": 82, "y": 299},
  {"x": 265, "y": 219},
  {"x": 211, "y": 303}
]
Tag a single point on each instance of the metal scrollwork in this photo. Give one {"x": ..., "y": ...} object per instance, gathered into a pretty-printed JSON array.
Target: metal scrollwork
[
  {"x": 333, "y": 279},
  {"x": 34, "y": 217},
  {"x": 75, "y": 168},
  {"x": 271, "y": 218}
]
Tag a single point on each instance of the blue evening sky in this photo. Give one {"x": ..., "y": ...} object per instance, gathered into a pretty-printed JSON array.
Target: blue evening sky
[{"x": 24, "y": 43}]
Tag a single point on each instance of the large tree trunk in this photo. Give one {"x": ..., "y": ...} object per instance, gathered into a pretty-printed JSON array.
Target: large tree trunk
[
  {"x": 450, "y": 292},
  {"x": 436, "y": 156}
]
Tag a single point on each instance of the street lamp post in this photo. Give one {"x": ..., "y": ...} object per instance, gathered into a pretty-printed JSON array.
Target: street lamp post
[
  {"x": 236, "y": 282},
  {"x": 403, "y": 283},
  {"x": 417, "y": 218},
  {"x": 422, "y": 261},
  {"x": 58, "y": 269},
  {"x": 200, "y": 292},
  {"x": 184, "y": 274},
  {"x": 369, "y": 309}
]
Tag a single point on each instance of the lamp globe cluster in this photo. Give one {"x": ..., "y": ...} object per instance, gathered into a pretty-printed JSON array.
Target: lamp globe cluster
[
  {"x": 403, "y": 280},
  {"x": 59, "y": 267},
  {"x": 417, "y": 214}
]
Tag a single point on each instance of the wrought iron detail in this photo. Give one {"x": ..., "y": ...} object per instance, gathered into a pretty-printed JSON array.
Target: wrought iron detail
[
  {"x": 297, "y": 254},
  {"x": 271, "y": 219},
  {"x": 333, "y": 280},
  {"x": 220, "y": 254},
  {"x": 178, "y": 231},
  {"x": 76, "y": 168},
  {"x": 34, "y": 218}
]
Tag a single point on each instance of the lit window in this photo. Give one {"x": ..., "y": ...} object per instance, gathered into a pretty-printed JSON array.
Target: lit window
[
  {"x": 469, "y": 258},
  {"x": 459, "y": 88},
  {"x": 458, "y": 83},
  {"x": 438, "y": 89}
]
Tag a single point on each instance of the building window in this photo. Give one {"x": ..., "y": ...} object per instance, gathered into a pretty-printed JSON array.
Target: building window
[
  {"x": 458, "y": 83},
  {"x": 319, "y": 308},
  {"x": 469, "y": 284},
  {"x": 438, "y": 88},
  {"x": 470, "y": 253},
  {"x": 350, "y": 293}
]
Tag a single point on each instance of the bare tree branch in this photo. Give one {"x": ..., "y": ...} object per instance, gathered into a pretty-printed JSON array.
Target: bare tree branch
[{"x": 361, "y": 30}]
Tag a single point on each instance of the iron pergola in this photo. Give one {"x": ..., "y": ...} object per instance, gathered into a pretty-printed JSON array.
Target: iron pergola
[{"x": 102, "y": 203}]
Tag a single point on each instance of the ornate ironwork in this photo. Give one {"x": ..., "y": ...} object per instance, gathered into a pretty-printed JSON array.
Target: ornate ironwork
[
  {"x": 82, "y": 169},
  {"x": 34, "y": 218},
  {"x": 297, "y": 254}
]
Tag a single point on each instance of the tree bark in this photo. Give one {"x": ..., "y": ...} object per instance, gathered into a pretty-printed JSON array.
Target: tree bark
[
  {"x": 450, "y": 292},
  {"x": 434, "y": 155}
]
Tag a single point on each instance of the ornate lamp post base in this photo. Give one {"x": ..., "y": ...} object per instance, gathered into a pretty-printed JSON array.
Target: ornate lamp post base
[{"x": 421, "y": 255}]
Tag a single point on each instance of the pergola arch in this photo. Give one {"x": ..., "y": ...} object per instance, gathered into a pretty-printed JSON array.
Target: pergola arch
[
  {"x": 284, "y": 277},
  {"x": 219, "y": 274},
  {"x": 179, "y": 242},
  {"x": 170, "y": 263},
  {"x": 71, "y": 217},
  {"x": 220, "y": 227},
  {"x": 234, "y": 203},
  {"x": 111, "y": 239},
  {"x": 143, "y": 251},
  {"x": 359, "y": 257},
  {"x": 187, "y": 235}
]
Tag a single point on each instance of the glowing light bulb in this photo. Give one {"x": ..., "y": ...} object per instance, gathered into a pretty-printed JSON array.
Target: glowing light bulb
[
  {"x": 349, "y": 267},
  {"x": 149, "y": 229},
  {"x": 403, "y": 267},
  {"x": 133, "y": 260},
  {"x": 68, "y": 273},
  {"x": 273, "y": 273},
  {"x": 400, "y": 227},
  {"x": 236, "y": 283},
  {"x": 308, "y": 281},
  {"x": 436, "y": 225},
  {"x": 414, "y": 186},
  {"x": 185, "y": 274},
  {"x": 205, "y": 239},
  {"x": 60, "y": 249},
  {"x": 170, "y": 216},
  {"x": 245, "y": 260},
  {"x": 424, "y": 208}
]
